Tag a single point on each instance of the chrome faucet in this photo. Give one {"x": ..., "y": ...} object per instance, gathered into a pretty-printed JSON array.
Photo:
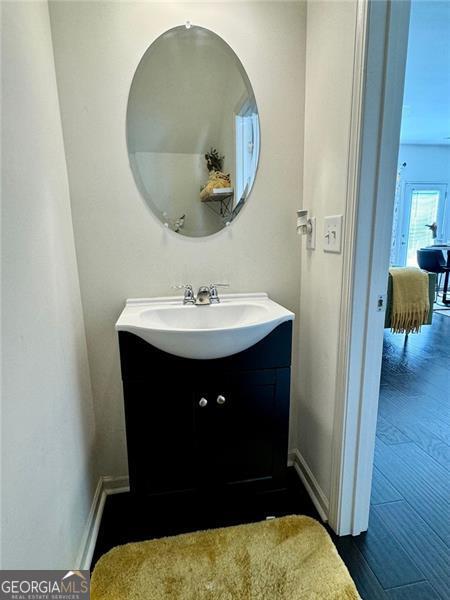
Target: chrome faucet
[
  {"x": 205, "y": 295},
  {"x": 209, "y": 295}
]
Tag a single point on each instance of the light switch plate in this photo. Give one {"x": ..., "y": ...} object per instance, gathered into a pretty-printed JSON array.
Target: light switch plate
[
  {"x": 332, "y": 234},
  {"x": 311, "y": 237}
]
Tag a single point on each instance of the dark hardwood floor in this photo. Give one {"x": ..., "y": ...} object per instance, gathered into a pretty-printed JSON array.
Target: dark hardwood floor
[
  {"x": 127, "y": 520},
  {"x": 405, "y": 554}
]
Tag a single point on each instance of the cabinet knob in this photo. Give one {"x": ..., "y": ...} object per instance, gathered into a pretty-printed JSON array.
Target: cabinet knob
[
  {"x": 221, "y": 399},
  {"x": 203, "y": 402}
]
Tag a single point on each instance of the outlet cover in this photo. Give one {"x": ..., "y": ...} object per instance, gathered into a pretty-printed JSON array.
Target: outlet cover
[{"x": 332, "y": 234}]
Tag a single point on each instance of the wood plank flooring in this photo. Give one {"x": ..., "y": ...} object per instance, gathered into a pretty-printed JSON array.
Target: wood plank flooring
[{"x": 405, "y": 554}]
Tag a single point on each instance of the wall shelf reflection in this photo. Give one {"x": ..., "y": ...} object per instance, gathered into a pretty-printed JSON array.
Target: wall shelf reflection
[{"x": 221, "y": 202}]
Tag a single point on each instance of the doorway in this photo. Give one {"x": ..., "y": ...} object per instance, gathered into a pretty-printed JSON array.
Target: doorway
[
  {"x": 405, "y": 469},
  {"x": 368, "y": 249}
]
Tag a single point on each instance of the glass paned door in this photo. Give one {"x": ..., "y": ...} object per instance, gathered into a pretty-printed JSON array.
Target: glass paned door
[{"x": 423, "y": 205}]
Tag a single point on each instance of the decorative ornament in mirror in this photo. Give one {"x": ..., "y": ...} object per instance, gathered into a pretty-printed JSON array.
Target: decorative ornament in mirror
[{"x": 192, "y": 124}]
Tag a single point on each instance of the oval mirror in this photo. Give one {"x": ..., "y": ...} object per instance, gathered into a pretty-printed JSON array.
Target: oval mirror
[{"x": 192, "y": 131}]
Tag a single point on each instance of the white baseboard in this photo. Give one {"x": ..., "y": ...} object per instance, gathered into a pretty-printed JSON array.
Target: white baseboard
[
  {"x": 106, "y": 485},
  {"x": 116, "y": 485},
  {"x": 91, "y": 529},
  {"x": 314, "y": 490}
]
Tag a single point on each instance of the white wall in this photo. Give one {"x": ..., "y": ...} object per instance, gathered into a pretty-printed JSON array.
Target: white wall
[
  {"x": 329, "y": 65},
  {"x": 47, "y": 414},
  {"x": 123, "y": 251},
  {"x": 425, "y": 163}
]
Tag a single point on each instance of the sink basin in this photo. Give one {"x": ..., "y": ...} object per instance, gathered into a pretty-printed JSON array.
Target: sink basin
[{"x": 203, "y": 332}]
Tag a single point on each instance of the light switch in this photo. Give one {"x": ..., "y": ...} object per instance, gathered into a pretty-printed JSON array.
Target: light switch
[{"x": 332, "y": 234}]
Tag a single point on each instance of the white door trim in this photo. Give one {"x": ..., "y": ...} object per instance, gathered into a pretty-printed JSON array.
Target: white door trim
[
  {"x": 379, "y": 68},
  {"x": 340, "y": 468}
]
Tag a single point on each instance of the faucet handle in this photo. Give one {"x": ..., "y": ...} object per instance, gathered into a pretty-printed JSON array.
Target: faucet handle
[
  {"x": 213, "y": 294},
  {"x": 188, "y": 292}
]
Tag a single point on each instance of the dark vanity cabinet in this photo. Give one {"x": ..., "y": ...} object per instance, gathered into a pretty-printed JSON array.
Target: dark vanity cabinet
[{"x": 195, "y": 424}]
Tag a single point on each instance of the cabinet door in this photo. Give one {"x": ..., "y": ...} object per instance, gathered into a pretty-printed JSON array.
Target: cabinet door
[
  {"x": 242, "y": 431},
  {"x": 160, "y": 437}
]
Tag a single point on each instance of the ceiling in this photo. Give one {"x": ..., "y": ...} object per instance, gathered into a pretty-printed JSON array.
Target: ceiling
[{"x": 426, "y": 103}]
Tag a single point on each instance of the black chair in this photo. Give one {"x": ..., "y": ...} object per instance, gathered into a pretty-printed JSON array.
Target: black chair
[{"x": 433, "y": 261}]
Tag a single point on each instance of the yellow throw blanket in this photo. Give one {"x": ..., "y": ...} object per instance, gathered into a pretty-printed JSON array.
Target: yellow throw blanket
[{"x": 410, "y": 300}]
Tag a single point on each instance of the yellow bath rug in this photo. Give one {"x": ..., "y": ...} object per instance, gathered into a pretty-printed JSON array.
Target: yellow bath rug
[
  {"x": 410, "y": 299},
  {"x": 291, "y": 558}
]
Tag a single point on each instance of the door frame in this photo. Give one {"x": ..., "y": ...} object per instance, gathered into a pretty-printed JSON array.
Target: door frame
[{"x": 378, "y": 80}]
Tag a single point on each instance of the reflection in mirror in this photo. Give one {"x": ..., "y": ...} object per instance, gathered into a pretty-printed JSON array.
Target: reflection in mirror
[{"x": 192, "y": 131}]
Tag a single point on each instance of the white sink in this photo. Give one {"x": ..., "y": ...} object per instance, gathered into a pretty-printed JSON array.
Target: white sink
[{"x": 203, "y": 332}]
